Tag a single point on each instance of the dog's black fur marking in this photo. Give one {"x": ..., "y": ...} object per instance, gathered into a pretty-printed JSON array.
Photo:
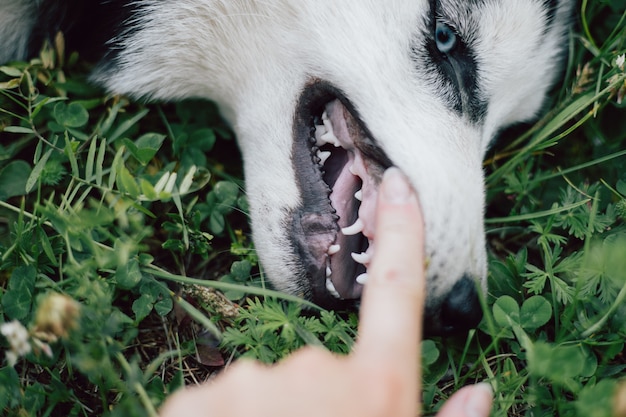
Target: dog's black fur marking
[
  {"x": 551, "y": 7},
  {"x": 458, "y": 67}
]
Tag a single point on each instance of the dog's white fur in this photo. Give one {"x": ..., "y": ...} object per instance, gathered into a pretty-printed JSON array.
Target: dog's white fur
[{"x": 254, "y": 58}]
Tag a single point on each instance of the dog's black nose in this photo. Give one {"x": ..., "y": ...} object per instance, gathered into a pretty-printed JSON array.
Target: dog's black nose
[{"x": 461, "y": 311}]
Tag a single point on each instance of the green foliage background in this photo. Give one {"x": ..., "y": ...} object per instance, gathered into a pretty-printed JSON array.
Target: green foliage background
[{"x": 137, "y": 212}]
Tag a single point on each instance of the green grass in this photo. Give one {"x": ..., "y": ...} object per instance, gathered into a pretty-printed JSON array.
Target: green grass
[{"x": 160, "y": 283}]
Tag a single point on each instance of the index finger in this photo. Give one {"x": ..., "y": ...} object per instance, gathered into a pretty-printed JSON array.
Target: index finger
[{"x": 393, "y": 301}]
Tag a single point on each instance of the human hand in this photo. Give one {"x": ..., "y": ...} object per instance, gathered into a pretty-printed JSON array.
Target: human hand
[{"x": 382, "y": 376}]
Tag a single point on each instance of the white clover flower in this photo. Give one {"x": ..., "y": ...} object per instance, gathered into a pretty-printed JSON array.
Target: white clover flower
[
  {"x": 620, "y": 60},
  {"x": 56, "y": 316},
  {"x": 18, "y": 338},
  {"x": 11, "y": 358}
]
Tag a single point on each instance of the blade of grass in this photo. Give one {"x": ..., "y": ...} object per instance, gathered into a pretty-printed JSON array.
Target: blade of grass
[{"x": 537, "y": 214}]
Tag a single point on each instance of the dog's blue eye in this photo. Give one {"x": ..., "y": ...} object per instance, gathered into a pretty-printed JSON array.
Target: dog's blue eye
[{"x": 445, "y": 38}]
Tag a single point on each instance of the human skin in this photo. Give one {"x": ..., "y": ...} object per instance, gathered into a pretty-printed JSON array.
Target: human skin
[{"x": 382, "y": 374}]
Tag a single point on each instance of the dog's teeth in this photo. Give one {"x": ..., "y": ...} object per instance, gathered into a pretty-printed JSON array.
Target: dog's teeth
[
  {"x": 334, "y": 249},
  {"x": 320, "y": 131},
  {"x": 362, "y": 258},
  {"x": 329, "y": 137},
  {"x": 362, "y": 279},
  {"x": 359, "y": 195},
  {"x": 357, "y": 227},
  {"x": 323, "y": 156},
  {"x": 329, "y": 272},
  {"x": 331, "y": 288},
  {"x": 352, "y": 170}
]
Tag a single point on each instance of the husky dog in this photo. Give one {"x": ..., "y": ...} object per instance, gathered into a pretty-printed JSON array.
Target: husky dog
[{"x": 323, "y": 96}]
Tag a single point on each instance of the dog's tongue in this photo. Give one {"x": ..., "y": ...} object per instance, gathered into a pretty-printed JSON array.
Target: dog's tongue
[{"x": 356, "y": 181}]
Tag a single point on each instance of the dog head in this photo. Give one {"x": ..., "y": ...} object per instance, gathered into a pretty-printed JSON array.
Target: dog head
[{"x": 325, "y": 95}]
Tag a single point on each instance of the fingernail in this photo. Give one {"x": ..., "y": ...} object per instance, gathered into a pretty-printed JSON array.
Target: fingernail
[
  {"x": 395, "y": 188},
  {"x": 479, "y": 403}
]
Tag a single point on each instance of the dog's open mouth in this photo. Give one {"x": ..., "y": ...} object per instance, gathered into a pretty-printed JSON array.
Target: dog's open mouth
[{"x": 339, "y": 168}]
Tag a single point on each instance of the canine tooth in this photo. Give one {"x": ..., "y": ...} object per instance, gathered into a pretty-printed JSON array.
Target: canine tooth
[
  {"x": 334, "y": 249},
  {"x": 357, "y": 227},
  {"x": 359, "y": 195},
  {"x": 352, "y": 170},
  {"x": 362, "y": 279},
  {"x": 362, "y": 258},
  {"x": 329, "y": 137},
  {"x": 323, "y": 156},
  {"x": 329, "y": 272},
  {"x": 331, "y": 288}
]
